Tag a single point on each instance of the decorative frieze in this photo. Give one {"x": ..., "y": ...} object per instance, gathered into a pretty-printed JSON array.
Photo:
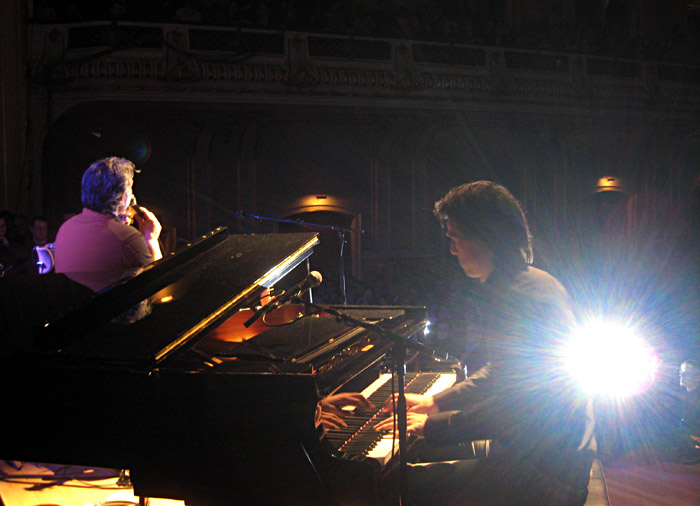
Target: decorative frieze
[{"x": 348, "y": 66}]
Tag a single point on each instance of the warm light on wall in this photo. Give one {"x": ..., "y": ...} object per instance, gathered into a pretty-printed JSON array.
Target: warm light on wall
[
  {"x": 610, "y": 184},
  {"x": 318, "y": 200}
]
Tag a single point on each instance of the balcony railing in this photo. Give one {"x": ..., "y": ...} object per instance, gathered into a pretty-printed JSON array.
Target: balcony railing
[{"x": 318, "y": 59}]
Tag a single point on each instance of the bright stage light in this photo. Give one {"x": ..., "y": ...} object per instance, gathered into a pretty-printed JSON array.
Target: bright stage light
[{"x": 609, "y": 359}]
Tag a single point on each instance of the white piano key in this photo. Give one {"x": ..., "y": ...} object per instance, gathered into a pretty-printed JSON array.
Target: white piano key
[
  {"x": 386, "y": 448},
  {"x": 444, "y": 381},
  {"x": 376, "y": 384}
]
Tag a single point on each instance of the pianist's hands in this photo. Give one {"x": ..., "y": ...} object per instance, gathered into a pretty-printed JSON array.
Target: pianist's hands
[
  {"x": 418, "y": 407},
  {"x": 415, "y": 403},
  {"x": 330, "y": 412},
  {"x": 415, "y": 422}
]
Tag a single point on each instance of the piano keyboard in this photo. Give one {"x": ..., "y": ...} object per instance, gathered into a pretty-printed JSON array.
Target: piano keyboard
[{"x": 360, "y": 438}]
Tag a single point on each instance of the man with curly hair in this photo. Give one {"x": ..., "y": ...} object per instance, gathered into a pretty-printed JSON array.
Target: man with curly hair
[{"x": 96, "y": 247}]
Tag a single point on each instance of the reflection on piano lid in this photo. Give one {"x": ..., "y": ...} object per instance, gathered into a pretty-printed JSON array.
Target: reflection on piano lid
[
  {"x": 319, "y": 344},
  {"x": 204, "y": 284}
]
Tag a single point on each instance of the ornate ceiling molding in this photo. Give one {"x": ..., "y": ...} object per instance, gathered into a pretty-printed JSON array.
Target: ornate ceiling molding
[{"x": 309, "y": 65}]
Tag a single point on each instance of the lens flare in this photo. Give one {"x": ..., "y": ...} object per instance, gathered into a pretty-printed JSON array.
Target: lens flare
[
  {"x": 610, "y": 359},
  {"x": 139, "y": 150}
]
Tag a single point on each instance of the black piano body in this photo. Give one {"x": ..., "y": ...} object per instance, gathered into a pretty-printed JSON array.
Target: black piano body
[{"x": 194, "y": 404}]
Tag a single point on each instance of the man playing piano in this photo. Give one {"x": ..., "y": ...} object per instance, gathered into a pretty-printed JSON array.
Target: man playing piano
[
  {"x": 96, "y": 248},
  {"x": 540, "y": 427}
]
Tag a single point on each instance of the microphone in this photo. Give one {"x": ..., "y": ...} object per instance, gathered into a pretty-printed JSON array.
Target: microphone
[
  {"x": 137, "y": 208},
  {"x": 311, "y": 281}
]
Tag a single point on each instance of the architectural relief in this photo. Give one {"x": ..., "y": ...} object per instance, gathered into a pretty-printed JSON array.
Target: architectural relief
[
  {"x": 579, "y": 77},
  {"x": 406, "y": 76},
  {"x": 546, "y": 77},
  {"x": 301, "y": 71},
  {"x": 179, "y": 66},
  {"x": 650, "y": 76},
  {"x": 49, "y": 66},
  {"x": 498, "y": 79}
]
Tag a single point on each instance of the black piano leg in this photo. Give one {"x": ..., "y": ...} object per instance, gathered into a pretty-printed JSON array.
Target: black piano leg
[{"x": 124, "y": 479}]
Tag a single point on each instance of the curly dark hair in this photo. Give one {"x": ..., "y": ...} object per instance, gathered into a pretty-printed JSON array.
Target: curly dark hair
[
  {"x": 488, "y": 212},
  {"x": 104, "y": 183}
]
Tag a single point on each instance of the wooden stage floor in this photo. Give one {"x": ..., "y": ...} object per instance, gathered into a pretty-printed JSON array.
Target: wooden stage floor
[{"x": 636, "y": 480}]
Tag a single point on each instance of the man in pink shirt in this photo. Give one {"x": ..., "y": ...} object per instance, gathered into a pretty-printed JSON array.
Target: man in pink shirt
[{"x": 96, "y": 247}]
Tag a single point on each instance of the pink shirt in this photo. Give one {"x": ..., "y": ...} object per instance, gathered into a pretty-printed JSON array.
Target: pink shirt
[{"x": 96, "y": 249}]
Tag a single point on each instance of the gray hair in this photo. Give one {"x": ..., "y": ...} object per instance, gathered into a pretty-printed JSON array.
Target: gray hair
[{"x": 104, "y": 183}]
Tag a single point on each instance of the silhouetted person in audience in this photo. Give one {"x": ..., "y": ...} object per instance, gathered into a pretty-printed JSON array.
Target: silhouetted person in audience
[
  {"x": 39, "y": 230},
  {"x": 38, "y": 236},
  {"x": 5, "y": 225},
  {"x": 68, "y": 213},
  {"x": 8, "y": 259},
  {"x": 19, "y": 233},
  {"x": 690, "y": 423}
]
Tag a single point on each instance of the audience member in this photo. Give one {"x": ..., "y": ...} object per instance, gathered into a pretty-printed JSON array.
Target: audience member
[
  {"x": 44, "y": 13},
  {"x": 5, "y": 216},
  {"x": 39, "y": 230},
  {"x": 118, "y": 9},
  {"x": 68, "y": 213},
  {"x": 19, "y": 233},
  {"x": 690, "y": 380},
  {"x": 38, "y": 236},
  {"x": 188, "y": 13},
  {"x": 8, "y": 259}
]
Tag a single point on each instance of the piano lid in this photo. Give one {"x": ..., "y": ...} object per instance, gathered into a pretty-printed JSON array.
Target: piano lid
[{"x": 191, "y": 291}]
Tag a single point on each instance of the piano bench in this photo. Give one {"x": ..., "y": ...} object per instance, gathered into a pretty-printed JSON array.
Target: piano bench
[{"x": 597, "y": 490}]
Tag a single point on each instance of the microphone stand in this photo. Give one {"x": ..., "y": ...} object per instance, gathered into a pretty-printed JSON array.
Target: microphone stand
[
  {"x": 399, "y": 346},
  {"x": 341, "y": 236},
  {"x": 341, "y": 267}
]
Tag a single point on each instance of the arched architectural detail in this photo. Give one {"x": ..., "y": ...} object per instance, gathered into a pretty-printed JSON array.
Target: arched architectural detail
[
  {"x": 337, "y": 205},
  {"x": 245, "y": 143},
  {"x": 200, "y": 173}
]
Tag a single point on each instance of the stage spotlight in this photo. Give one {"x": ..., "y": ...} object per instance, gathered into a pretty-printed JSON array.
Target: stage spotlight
[{"x": 610, "y": 360}]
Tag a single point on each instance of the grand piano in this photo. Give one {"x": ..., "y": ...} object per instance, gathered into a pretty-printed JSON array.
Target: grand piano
[{"x": 198, "y": 406}]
